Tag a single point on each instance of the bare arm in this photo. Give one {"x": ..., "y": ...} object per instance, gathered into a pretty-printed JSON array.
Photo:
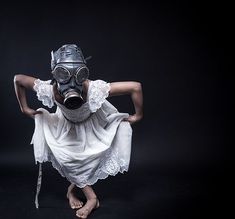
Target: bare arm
[
  {"x": 21, "y": 84},
  {"x": 132, "y": 88}
]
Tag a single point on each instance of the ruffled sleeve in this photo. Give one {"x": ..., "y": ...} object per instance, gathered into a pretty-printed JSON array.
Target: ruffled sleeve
[
  {"x": 44, "y": 92},
  {"x": 97, "y": 93}
]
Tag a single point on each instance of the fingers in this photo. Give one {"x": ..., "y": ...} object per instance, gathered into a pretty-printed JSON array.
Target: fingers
[
  {"x": 32, "y": 113},
  {"x": 126, "y": 120},
  {"x": 37, "y": 112}
]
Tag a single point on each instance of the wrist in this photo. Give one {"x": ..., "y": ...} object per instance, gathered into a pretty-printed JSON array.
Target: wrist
[
  {"x": 139, "y": 115},
  {"x": 24, "y": 108}
]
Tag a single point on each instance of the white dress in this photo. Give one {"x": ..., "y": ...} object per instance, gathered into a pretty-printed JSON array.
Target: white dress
[{"x": 85, "y": 144}]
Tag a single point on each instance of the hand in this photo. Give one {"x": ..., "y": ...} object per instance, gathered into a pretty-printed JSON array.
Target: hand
[
  {"x": 31, "y": 112},
  {"x": 133, "y": 118}
]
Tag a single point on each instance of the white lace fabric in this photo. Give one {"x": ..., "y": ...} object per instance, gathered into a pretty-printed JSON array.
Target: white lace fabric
[
  {"x": 97, "y": 93},
  {"x": 96, "y": 144},
  {"x": 109, "y": 165},
  {"x": 44, "y": 92}
]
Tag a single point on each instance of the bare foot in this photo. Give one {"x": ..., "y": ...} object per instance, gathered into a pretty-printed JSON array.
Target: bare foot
[
  {"x": 91, "y": 204},
  {"x": 74, "y": 202}
]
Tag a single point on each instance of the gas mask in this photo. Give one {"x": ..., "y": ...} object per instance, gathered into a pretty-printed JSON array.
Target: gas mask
[{"x": 69, "y": 71}]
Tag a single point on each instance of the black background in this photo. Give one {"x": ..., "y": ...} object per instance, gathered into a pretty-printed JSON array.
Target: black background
[{"x": 179, "y": 51}]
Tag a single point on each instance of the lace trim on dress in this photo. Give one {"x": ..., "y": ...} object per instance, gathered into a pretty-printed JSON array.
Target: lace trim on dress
[
  {"x": 98, "y": 92},
  {"x": 44, "y": 92},
  {"x": 111, "y": 164}
]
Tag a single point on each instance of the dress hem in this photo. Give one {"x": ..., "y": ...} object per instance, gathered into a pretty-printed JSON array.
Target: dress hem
[{"x": 100, "y": 176}]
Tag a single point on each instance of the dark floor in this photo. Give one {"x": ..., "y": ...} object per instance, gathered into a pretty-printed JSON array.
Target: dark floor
[{"x": 140, "y": 193}]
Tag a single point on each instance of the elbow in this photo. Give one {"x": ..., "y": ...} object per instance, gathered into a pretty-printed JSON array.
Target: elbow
[
  {"x": 18, "y": 78},
  {"x": 137, "y": 86}
]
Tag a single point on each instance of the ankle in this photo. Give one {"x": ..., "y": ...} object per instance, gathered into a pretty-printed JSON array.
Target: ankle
[
  {"x": 70, "y": 193},
  {"x": 71, "y": 188},
  {"x": 92, "y": 198}
]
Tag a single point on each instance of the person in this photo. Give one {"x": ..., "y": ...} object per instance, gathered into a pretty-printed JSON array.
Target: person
[{"x": 86, "y": 138}]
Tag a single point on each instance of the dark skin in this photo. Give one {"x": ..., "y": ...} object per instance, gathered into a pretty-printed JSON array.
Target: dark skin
[{"x": 132, "y": 88}]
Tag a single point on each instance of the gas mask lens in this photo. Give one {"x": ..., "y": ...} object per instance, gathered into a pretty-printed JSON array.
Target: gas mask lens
[
  {"x": 81, "y": 74},
  {"x": 61, "y": 74}
]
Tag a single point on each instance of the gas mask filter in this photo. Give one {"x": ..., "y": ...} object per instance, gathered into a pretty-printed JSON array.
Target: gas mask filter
[{"x": 69, "y": 71}]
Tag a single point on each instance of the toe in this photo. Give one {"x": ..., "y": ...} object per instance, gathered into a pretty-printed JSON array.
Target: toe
[
  {"x": 81, "y": 214},
  {"x": 78, "y": 214},
  {"x": 72, "y": 205},
  {"x": 79, "y": 204}
]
